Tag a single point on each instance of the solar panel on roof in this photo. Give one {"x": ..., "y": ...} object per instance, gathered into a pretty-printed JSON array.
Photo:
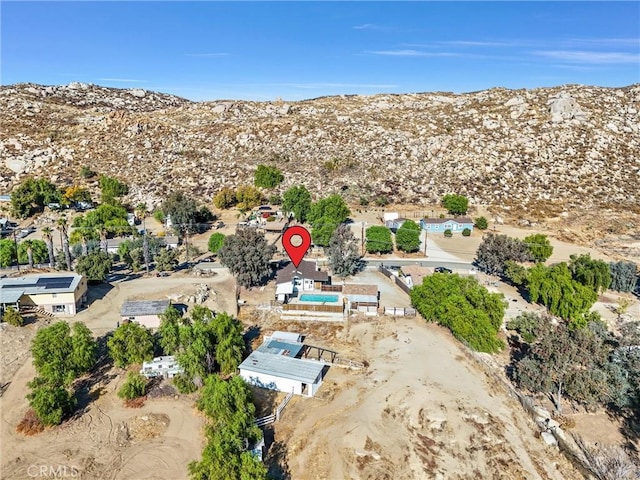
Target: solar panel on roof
[{"x": 54, "y": 282}]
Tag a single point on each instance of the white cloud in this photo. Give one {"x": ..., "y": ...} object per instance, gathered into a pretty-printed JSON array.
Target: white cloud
[
  {"x": 591, "y": 57},
  {"x": 605, "y": 42},
  {"x": 366, "y": 26}
]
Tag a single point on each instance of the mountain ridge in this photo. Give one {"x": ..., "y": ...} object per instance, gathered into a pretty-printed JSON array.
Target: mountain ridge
[{"x": 538, "y": 152}]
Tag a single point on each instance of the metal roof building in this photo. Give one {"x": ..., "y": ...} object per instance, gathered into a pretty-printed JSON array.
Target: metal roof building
[
  {"x": 59, "y": 294},
  {"x": 275, "y": 365},
  {"x": 144, "y": 312}
]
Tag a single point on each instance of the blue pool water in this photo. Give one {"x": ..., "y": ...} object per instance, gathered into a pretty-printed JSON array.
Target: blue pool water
[{"x": 310, "y": 297}]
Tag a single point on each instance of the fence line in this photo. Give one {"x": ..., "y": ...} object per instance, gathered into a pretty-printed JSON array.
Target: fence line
[
  {"x": 331, "y": 288},
  {"x": 275, "y": 416},
  {"x": 314, "y": 308}
]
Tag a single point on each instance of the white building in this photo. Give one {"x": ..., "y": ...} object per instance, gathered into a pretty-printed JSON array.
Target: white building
[
  {"x": 144, "y": 312},
  {"x": 166, "y": 367},
  {"x": 276, "y": 365},
  {"x": 56, "y": 293}
]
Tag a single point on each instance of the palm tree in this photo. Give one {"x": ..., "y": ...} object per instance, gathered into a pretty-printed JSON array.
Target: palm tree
[
  {"x": 142, "y": 212},
  {"x": 29, "y": 245},
  {"x": 63, "y": 226},
  {"x": 85, "y": 236},
  {"x": 103, "y": 238},
  {"x": 47, "y": 234}
]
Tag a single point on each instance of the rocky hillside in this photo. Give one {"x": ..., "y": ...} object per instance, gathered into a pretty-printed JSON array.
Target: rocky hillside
[{"x": 539, "y": 151}]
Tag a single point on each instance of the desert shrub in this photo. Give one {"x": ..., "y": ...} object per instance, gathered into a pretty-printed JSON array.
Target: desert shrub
[
  {"x": 134, "y": 386},
  {"x": 267, "y": 177},
  {"x": 623, "y": 276},
  {"x": 448, "y": 233},
  {"x": 466, "y": 232},
  {"x": 13, "y": 317},
  {"x": 30, "y": 424},
  {"x": 184, "y": 384},
  {"x": 381, "y": 201},
  {"x": 481, "y": 223}
]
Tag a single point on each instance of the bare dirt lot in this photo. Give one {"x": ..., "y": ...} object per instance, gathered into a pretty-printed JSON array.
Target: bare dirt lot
[
  {"x": 105, "y": 441},
  {"x": 420, "y": 410}
]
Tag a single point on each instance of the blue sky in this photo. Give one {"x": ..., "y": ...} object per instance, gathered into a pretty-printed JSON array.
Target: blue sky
[{"x": 297, "y": 50}]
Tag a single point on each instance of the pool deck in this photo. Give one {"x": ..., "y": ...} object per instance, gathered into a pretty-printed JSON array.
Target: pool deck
[{"x": 297, "y": 301}]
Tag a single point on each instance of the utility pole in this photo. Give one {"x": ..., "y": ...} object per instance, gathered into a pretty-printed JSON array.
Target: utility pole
[
  {"x": 362, "y": 240},
  {"x": 425, "y": 242}
]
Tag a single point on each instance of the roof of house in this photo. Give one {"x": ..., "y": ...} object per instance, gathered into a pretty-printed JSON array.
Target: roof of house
[
  {"x": 171, "y": 239},
  {"x": 287, "y": 336},
  {"x": 40, "y": 284},
  {"x": 306, "y": 269},
  {"x": 10, "y": 296},
  {"x": 133, "y": 308},
  {"x": 280, "y": 347},
  {"x": 297, "y": 369},
  {"x": 359, "y": 289},
  {"x": 459, "y": 220}
]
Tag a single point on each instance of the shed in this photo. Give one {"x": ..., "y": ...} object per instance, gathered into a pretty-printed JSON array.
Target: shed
[
  {"x": 144, "y": 312},
  {"x": 166, "y": 366},
  {"x": 361, "y": 294},
  {"x": 282, "y": 373}
]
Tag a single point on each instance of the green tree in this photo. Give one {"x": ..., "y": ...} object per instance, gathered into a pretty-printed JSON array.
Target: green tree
[
  {"x": 225, "y": 198},
  {"x": 169, "y": 330},
  {"x": 12, "y": 317},
  {"x": 569, "y": 362},
  {"x": 455, "y": 204},
  {"x": 230, "y": 343},
  {"x": 50, "y": 401},
  {"x": 95, "y": 266},
  {"x": 248, "y": 197},
  {"x": 216, "y": 241},
  {"x": 267, "y": 177},
  {"x": 378, "y": 239},
  {"x": 516, "y": 273},
  {"x": 495, "y": 250},
  {"x": 248, "y": 256},
  {"x": 197, "y": 346},
  {"x": 47, "y": 235},
  {"x": 332, "y": 208},
  {"x": 539, "y": 246},
  {"x": 63, "y": 227},
  {"x": 554, "y": 288},
  {"x": 32, "y": 251},
  {"x": 529, "y": 325},
  {"x": 322, "y": 231},
  {"x": 130, "y": 343},
  {"x": 624, "y": 276},
  {"x": 183, "y": 211},
  {"x": 471, "y": 313},
  {"x": 83, "y": 348},
  {"x": 32, "y": 195},
  {"x": 589, "y": 272},
  {"x": 297, "y": 200},
  {"x": 408, "y": 237},
  {"x": 7, "y": 252},
  {"x": 481, "y": 223},
  {"x": 166, "y": 259},
  {"x": 343, "y": 253},
  {"x": 60, "y": 354},
  {"x": 133, "y": 387},
  {"x": 111, "y": 189}
]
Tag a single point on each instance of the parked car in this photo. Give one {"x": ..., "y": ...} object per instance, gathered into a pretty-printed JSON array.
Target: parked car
[
  {"x": 442, "y": 270},
  {"x": 162, "y": 274}
]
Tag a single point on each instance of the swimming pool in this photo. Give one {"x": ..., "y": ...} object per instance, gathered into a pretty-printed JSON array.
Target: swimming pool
[{"x": 310, "y": 297}]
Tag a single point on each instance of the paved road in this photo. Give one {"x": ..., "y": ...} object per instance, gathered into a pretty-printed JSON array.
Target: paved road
[{"x": 455, "y": 266}]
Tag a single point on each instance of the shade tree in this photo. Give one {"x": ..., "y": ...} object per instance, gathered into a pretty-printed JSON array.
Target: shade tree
[
  {"x": 130, "y": 343},
  {"x": 297, "y": 200},
  {"x": 408, "y": 237},
  {"x": 343, "y": 252},
  {"x": 378, "y": 239},
  {"x": 624, "y": 276},
  {"x": 495, "y": 250},
  {"x": 539, "y": 246},
  {"x": 248, "y": 256},
  {"x": 455, "y": 204}
]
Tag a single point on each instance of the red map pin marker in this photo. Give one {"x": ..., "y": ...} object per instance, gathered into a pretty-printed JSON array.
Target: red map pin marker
[{"x": 296, "y": 252}]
